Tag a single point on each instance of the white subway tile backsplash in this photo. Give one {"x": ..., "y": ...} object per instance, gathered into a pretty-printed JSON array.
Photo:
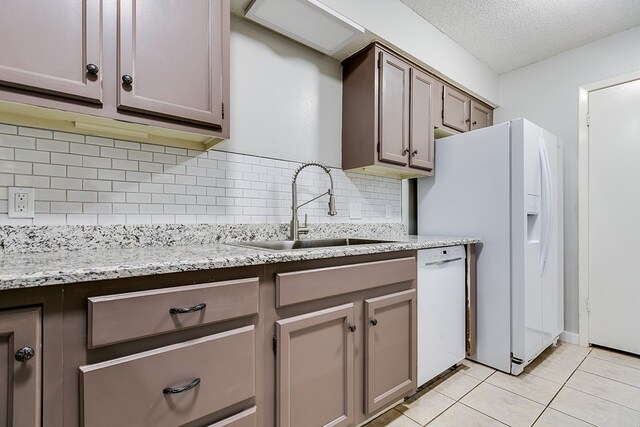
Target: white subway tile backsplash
[
  {"x": 64, "y": 136},
  {"x": 98, "y": 140},
  {"x": 93, "y": 180},
  {"x": 9, "y": 166},
  {"x": 52, "y": 145},
  {"x": 32, "y": 181},
  {"x": 66, "y": 159}
]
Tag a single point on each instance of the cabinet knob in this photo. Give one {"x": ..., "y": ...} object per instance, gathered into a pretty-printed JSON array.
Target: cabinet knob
[
  {"x": 405, "y": 151},
  {"x": 467, "y": 120},
  {"x": 92, "y": 69},
  {"x": 414, "y": 153},
  {"x": 374, "y": 322},
  {"x": 24, "y": 354},
  {"x": 352, "y": 328},
  {"x": 127, "y": 79},
  {"x": 474, "y": 123}
]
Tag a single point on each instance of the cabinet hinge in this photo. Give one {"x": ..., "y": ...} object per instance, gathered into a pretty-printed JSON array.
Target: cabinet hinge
[
  {"x": 588, "y": 119},
  {"x": 378, "y": 147},
  {"x": 223, "y": 110},
  {"x": 275, "y": 344},
  {"x": 588, "y": 306}
]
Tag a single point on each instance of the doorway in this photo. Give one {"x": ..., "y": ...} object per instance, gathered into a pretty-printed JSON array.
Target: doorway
[{"x": 610, "y": 217}]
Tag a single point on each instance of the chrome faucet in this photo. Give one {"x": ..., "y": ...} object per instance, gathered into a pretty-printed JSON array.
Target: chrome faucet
[{"x": 295, "y": 228}]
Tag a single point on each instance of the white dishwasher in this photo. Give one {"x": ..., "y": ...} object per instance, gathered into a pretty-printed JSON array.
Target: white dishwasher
[{"x": 441, "y": 310}]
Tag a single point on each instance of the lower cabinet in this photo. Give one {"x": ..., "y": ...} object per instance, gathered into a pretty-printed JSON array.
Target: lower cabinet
[
  {"x": 390, "y": 356},
  {"x": 314, "y": 368},
  {"x": 316, "y": 361},
  {"x": 171, "y": 385},
  {"x": 21, "y": 367}
]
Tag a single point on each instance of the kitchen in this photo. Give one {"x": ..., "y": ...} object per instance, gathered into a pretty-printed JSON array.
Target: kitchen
[{"x": 123, "y": 192}]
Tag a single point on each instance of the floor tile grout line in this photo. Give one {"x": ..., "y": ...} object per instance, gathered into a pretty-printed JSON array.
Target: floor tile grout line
[
  {"x": 610, "y": 379},
  {"x": 614, "y": 362},
  {"x": 560, "y": 389},
  {"x": 603, "y": 398}
]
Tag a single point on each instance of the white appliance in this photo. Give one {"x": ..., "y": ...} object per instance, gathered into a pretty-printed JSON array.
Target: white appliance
[
  {"x": 441, "y": 310},
  {"x": 504, "y": 184}
]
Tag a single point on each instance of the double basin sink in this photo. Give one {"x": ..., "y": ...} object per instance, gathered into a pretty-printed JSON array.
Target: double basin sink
[{"x": 287, "y": 245}]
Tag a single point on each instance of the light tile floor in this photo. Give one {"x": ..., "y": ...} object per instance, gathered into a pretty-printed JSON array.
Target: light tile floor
[{"x": 565, "y": 386}]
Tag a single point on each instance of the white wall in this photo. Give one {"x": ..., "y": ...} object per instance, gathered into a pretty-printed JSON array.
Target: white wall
[
  {"x": 286, "y": 99},
  {"x": 547, "y": 94},
  {"x": 395, "y": 23}
]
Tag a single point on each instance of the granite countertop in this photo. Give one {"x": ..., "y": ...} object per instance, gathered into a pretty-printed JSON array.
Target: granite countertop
[{"x": 24, "y": 270}]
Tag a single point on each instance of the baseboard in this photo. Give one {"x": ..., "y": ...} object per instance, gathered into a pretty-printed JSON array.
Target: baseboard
[{"x": 570, "y": 337}]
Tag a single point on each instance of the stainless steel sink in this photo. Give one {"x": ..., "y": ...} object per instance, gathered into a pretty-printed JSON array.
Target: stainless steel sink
[{"x": 287, "y": 245}]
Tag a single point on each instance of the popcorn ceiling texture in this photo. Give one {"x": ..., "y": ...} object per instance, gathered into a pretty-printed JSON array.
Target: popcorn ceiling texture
[
  {"x": 507, "y": 34},
  {"x": 87, "y": 180}
]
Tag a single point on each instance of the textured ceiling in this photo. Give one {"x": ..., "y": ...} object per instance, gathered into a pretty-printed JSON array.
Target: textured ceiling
[{"x": 509, "y": 34}]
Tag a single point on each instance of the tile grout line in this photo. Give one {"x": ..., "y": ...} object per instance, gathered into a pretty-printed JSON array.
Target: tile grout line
[{"x": 547, "y": 406}]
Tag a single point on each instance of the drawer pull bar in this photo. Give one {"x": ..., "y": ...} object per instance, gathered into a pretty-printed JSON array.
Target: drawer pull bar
[
  {"x": 180, "y": 310},
  {"x": 175, "y": 390}
]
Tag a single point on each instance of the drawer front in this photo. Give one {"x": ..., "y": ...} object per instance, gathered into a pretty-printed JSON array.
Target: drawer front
[
  {"x": 133, "y": 390},
  {"x": 248, "y": 418},
  {"x": 128, "y": 316},
  {"x": 309, "y": 285}
]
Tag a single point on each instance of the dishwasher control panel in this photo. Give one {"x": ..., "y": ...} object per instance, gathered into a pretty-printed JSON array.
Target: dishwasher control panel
[{"x": 438, "y": 255}]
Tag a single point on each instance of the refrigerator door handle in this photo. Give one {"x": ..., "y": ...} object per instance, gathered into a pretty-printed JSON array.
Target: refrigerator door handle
[{"x": 547, "y": 197}]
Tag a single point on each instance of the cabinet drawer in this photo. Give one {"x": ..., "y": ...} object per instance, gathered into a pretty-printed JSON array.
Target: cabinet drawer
[
  {"x": 309, "y": 285},
  {"x": 134, "y": 390},
  {"x": 248, "y": 418},
  {"x": 124, "y": 317}
]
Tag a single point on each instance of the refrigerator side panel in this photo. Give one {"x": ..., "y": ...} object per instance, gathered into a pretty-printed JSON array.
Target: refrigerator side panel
[{"x": 470, "y": 195}]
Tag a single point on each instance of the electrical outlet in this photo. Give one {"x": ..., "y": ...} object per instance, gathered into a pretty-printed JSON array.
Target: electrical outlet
[{"x": 21, "y": 202}]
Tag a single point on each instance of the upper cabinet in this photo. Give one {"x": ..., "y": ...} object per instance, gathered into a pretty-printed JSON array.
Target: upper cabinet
[
  {"x": 387, "y": 115},
  {"x": 52, "y": 46},
  {"x": 148, "y": 70},
  {"x": 391, "y": 110},
  {"x": 462, "y": 113},
  {"x": 170, "y": 58}
]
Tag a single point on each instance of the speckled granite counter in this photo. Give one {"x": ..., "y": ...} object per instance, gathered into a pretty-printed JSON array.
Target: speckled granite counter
[{"x": 23, "y": 270}]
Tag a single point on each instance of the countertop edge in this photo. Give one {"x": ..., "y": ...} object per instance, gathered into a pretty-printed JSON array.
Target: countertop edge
[{"x": 248, "y": 257}]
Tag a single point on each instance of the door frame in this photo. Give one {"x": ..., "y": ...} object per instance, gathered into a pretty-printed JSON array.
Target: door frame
[{"x": 583, "y": 196}]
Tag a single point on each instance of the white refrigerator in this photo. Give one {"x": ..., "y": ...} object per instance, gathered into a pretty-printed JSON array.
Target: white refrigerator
[{"x": 504, "y": 184}]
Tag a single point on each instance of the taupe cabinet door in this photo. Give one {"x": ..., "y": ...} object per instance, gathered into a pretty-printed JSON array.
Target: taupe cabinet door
[
  {"x": 390, "y": 364},
  {"x": 171, "y": 53},
  {"x": 481, "y": 115},
  {"x": 46, "y": 45},
  {"x": 455, "y": 112},
  {"x": 394, "y": 109},
  {"x": 20, "y": 370},
  {"x": 421, "y": 122},
  {"x": 314, "y": 370}
]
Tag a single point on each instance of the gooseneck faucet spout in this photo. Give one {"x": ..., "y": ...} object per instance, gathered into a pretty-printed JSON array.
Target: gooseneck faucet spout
[{"x": 295, "y": 229}]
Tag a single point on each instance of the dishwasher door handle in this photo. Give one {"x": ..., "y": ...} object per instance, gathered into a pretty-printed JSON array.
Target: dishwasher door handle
[{"x": 443, "y": 261}]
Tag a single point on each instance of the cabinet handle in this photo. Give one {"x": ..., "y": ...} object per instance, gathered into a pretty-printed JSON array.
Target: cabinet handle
[
  {"x": 180, "y": 310},
  {"x": 92, "y": 69},
  {"x": 414, "y": 153},
  {"x": 474, "y": 123},
  {"x": 467, "y": 120},
  {"x": 352, "y": 328},
  {"x": 24, "y": 354},
  {"x": 175, "y": 390},
  {"x": 405, "y": 151},
  {"x": 374, "y": 322},
  {"x": 127, "y": 79}
]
